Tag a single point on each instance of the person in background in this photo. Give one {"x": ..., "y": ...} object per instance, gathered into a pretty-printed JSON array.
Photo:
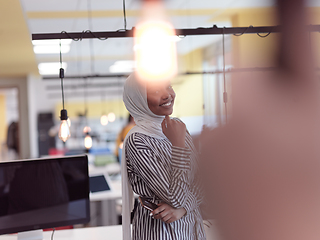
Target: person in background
[{"x": 123, "y": 133}]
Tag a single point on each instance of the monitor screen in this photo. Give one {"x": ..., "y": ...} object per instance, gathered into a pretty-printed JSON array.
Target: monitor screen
[{"x": 43, "y": 193}]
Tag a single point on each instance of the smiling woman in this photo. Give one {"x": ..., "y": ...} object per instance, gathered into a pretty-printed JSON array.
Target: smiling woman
[
  {"x": 160, "y": 97},
  {"x": 159, "y": 163}
]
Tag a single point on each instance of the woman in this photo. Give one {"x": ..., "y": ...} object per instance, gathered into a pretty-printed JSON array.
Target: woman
[{"x": 158, "y": 163}]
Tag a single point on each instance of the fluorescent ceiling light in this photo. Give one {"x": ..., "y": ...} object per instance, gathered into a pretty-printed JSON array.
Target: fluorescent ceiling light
[
  {"x": 51, "y": 42},
  {"x": 51, "y": 68},
  {"x": 51, "y": 46},
  {"x": 47, "y": 49},
  {"x": 123, "y": 67}
]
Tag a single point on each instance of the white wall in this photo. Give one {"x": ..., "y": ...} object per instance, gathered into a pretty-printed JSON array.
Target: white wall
[
  {"x": 38, "y": 103},
  {"x": 21, "y": 85}
]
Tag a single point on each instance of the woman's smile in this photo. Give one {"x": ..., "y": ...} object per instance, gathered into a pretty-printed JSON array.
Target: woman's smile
[{"x": 160, "y": 98}]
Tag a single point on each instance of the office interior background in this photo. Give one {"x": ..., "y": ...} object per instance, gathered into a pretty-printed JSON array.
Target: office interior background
[
  {"x": 34, "y": 102},
  {"x": 30, "y": 93}
]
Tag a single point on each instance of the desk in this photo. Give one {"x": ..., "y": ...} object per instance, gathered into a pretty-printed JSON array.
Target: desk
[
  {"x": 101, "y": 233},
  {"x": 103, "y": 205},
  {"x": 92, "y": 233},
  {"x": 113, "y": 194}
]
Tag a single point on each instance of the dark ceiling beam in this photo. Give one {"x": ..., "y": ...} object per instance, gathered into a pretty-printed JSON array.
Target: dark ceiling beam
[
  {"x": 229, "y": 70},
  {"x": 86, "y": 76},
  {"x": 180, "y": 32}
]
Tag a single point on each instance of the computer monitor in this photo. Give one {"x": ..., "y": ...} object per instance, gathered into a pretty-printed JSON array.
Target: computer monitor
[{"x": 43, "y": 193}]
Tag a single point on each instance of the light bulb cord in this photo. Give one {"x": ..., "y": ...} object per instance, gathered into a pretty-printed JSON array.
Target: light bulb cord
[
  {"x": 61, "y": 75},
  {"x": 225, "y": 98},
  {"x": 62, "y": 92}
]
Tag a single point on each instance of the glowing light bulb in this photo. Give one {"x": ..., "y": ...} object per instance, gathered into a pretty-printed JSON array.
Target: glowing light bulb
[
  {"x": 86, "y": 129},
  {"x": 104, "y": 120},
  {"x": 64, "y": 130},
  {"x": 69, "y": 122},
  {"x": 88, "y": 141},
  {"x": 111, "y": 117},
  {"x": 155, "y": 49}
]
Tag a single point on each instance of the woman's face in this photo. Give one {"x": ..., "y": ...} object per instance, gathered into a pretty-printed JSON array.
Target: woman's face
[{"x": 160, "y": 97}]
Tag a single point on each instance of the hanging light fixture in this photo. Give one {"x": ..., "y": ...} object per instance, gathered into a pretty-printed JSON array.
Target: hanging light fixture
[
  {"x": 88, "y": 141},
  {"x": 154, "y": 44},
  {"x": 111, "y": 117},
  {"x": 86, "y": 128},
  {"x": 103, "y": 119},
  {"x": 64, "y": 130}
]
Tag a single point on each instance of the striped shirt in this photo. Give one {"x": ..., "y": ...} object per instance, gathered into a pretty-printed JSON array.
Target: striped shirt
[{"x": 164, "y": 173}]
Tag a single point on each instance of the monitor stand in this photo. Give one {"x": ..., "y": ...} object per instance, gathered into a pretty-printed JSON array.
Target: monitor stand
[{"x": 31, "y": 235}]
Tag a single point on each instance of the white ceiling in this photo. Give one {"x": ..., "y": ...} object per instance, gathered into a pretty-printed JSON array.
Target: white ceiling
[
  {"x": 92, "y": 57},
  {"x": 103, "y": 54}
]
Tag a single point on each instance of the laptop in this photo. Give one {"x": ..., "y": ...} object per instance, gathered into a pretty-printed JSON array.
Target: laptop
[{"x": 99, "y": 182}]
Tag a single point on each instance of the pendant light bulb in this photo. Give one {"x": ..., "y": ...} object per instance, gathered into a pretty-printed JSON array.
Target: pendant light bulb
[
  {"x": 104, "y": 120},
  {"x": 64, "y": 130},
  {"x": 154, "y": 45},
  {"x": 111, "y": 117},
  {"x": 86, "y": 129},
  {"x": 88, "y": 141},
  {"x": 69, "y": 122}
]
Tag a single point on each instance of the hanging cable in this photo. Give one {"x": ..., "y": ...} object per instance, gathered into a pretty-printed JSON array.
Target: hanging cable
[
  {"x": 225, "y": 97},
  {"x": 61, "y": 75},
  {"x": 64, "y": 130},
  {"x": 103, "y": 119},
  {"x": 89, "y": 14},
  {"x": 85, "y": 101},
  {"x": 239, "y": 34},
  {"x": 124, "y": 15},
  {"x": 263, "y": 36},
  {"x": 53, "y": 230},
  {"x": 119, "y": 94},
  {"x": 87, "y": 129},
  {"x": 91, "y": 40}
]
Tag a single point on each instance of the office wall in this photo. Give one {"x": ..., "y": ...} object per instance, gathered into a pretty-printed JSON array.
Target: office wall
[
  {"x": 94, "y": 107},
  {"x": 314, "y": 18},
  {"x": 250, "y": 50},
  {"x": 24, "y": 133},
  {"x": 3, "y": 124}
]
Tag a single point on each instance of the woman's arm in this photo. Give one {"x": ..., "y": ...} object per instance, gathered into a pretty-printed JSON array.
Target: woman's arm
[{"x": 168, "y": 178}]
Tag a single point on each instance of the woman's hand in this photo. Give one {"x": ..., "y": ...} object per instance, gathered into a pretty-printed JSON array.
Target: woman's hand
[
  {"x": 175, "y": 131},
  {"x": 167, "y": 213}
]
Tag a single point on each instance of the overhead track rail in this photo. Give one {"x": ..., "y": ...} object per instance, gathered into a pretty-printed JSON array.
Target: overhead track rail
[{"x": 180, "y": 32}]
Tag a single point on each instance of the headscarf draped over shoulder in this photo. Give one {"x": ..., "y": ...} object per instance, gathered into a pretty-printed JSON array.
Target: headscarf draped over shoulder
[{"x": 148, "y": 123}]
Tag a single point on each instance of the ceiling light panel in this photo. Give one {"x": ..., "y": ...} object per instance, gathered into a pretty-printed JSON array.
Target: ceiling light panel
[{"x": 51, "y": 68}]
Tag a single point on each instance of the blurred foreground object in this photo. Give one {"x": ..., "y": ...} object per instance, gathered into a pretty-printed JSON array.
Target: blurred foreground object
[{"x": 261, "y": 170}]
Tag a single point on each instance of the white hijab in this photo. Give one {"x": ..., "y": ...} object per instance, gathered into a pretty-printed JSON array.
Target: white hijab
[{"x": 135, "y": 100}]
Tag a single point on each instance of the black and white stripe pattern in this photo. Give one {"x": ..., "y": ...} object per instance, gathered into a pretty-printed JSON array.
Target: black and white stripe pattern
[{"x": 164, "y": 173}]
